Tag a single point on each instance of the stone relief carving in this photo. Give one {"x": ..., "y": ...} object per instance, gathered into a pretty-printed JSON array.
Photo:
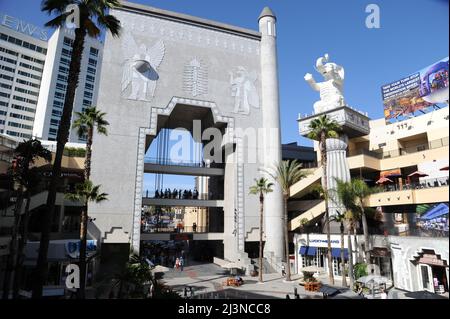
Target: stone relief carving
[
  {"x": 140, "y": 69},
  {"x": 195, "y": 78},
  {"x": 331, "y": 90},
  {"x": 193, "y": 35},
  {"x": 244, "y": 91}
]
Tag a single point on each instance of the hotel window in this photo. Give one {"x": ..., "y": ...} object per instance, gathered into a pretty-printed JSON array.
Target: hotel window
[
  {"x": 93, "y": 51},
  {"x": 88, "y": 95},
  {"x": 6, "y": 77},
  {"x": 27, "y": 83},
  {"x": 3, "y": 58},
  {"x": 5, "y": 86},
  {"x": 66, "y": 52},
  {"x": 26, "y": 91},
  {"x": 58, "y": 104},
  {"x": 52, "y": 131},
  {"x": 91, "y": 70},
  {"x": 54, "y": 122},
  {"x": 4, "y": 94},
  {"x": 3, "y": 112},
  {"x": 63, "y": 70},
  {"x": 2, "y": 103},
  {"x": 62, "y": 78},
  {"x": 56, "y": 113},
  {"x": 2, "y": 122},
  {"x": 90, "y": 78},
  {"x": 3, "y": 67},
  {"x": 23, "y": 108},
  {"x": 87, "y": 102},
  {"x": 89, "y": 86},
  {"x": 92, "y": 62},
  {"x": 9, "y": 51},
  {"x": 59, "y": 95},
  {"x": 61, "y": 86},
  {"x": 26, "y": 57},
  {"x": 36, "y": 77},
  {"x": 65, "y": 61},
  {"x": 25, "y": 65},
  {"x": 68, "y": 41}
]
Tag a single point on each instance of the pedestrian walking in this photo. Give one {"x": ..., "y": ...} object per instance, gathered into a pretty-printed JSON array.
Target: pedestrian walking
[
  {"x": 181, "y": 261},
  {"x": 177, "y": 264},
  {"x": 283, "y": 270}
]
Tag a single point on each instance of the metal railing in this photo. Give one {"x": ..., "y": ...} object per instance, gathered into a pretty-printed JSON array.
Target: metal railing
[
  {"x": 186, "y": 163},
  {"x": 180, "y": 195},
  {"x": 402, "y": 151},
  {"x": 149, "y": 229},
  {"x": 423, "y": 184}
]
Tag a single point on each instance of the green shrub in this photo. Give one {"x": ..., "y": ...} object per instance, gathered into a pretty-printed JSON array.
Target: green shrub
[
  {"x": 74, "y": 152},
  {"x": 309, "y": 276},
  {"x": 360, "y": 270}
]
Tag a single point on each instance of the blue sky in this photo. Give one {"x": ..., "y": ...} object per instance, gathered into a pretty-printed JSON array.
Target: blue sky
[{"x": 413, "y": 34}]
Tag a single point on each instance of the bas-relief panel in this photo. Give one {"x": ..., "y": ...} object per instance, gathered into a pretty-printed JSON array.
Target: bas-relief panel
[{"x": 151, "y": 64}]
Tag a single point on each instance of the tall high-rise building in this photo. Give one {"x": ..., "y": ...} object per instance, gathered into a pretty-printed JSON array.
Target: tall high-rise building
[
  {"x": 22, "y": 59},
  {"x": 54, "y": 83},
  {"x": 33, "y": 78}
]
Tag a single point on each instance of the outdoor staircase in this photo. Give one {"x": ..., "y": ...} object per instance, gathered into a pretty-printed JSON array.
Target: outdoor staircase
[
  {"x": 309, "y": 215},
  {"x": 305, "y": 185}
]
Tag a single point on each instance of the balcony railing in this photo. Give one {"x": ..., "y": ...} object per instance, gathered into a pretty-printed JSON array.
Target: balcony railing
[
  {"x": 186, "y": 163},
  {"x": 180, "y": 195},
  {"x": 402, "y": 151},
  {"x": 423, "y": 184}
]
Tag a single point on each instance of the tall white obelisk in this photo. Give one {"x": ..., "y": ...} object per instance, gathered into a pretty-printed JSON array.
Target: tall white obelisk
[{"x": 273, "y": 211}]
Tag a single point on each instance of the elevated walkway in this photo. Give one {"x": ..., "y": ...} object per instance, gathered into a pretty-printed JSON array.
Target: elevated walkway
[
  {"x": 196, "y": 236},
  {"x": 174, "y": 169},
  {"x": 182, "y": 202}
]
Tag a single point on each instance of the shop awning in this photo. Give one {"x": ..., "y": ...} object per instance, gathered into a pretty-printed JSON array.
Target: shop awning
[
  {"x": 336, "y": 253},
  {"x": 436, "y": 211},
  {"x": 311, "y": 251},
  {"x": 303, "y": 250}
]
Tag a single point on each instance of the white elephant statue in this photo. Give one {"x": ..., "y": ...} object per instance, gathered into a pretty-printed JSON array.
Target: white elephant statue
[{"x": 331, "y": 90}]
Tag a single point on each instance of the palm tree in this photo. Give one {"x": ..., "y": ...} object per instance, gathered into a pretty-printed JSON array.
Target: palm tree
[
  {"x": 321, "y": 129},
  {"x": 87, "y": 120},
  {"x": 346, "y": 193},
  {"x": 85, "y": 192},
  {"x": 261, "y": 188},
  {"x": 360, "y": 192},
  {"x": 287, "y": 174},
  {"x": 85, "y": 124},
  {"x": 25, "y": 153},
  {"x": 93, "y": 17}
]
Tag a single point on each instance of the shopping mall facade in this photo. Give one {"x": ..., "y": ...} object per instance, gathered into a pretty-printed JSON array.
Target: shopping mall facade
[{"x": 409, "y": 230}]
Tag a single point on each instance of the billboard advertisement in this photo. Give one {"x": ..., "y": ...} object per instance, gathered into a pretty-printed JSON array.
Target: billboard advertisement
[{"x": 417, "y": 91}]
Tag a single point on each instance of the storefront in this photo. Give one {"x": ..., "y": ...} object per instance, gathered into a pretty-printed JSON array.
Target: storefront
[
  {"x": 433, "y": 272},
  {"x": 311, "y": 250},
  {"x": 61, "y": 253}
]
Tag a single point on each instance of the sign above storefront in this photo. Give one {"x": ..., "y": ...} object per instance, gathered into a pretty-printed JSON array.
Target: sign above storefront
[{"x": 432, "y": 260}]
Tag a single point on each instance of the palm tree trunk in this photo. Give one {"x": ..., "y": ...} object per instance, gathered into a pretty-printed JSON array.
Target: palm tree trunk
[
  {"x": 261, "y": 216},
  {"x": 62, "y": 137},
  {"x": 82, "y": 257},
  {"x": 350, "y": 256},
  {"x": 22, "y": 244},
  {"x": 11, "y": 260},
  {"x": 366, "y": 236},
  {"x": 323, "y": 153},
  {"x": 344, "y": 277},
  {"x": 84, "y": 219},
  {"x": 286, "y": 239}
]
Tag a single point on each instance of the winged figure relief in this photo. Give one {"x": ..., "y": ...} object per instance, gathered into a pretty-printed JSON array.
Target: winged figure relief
[
  {"x": 140, "y": 68},
  {"x": 244, "y": 91}
]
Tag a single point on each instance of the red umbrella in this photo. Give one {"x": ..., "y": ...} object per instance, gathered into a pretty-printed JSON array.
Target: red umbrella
[
  {"x": 445, "y": 168},
  {"x": 384, "y": 180},
  {"x": 418, "y": 174}
]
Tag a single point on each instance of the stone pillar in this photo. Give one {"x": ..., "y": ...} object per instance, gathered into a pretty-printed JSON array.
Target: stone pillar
[
  {"x": 337, "y": 168},
  {"x": 271, "y": 124}
]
